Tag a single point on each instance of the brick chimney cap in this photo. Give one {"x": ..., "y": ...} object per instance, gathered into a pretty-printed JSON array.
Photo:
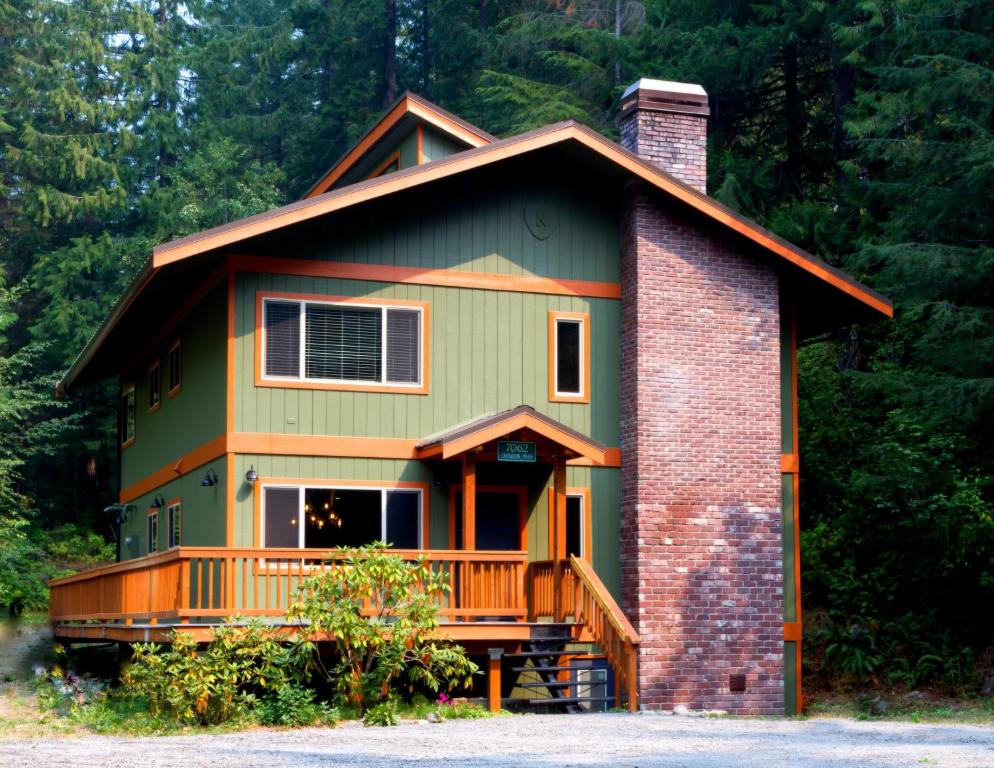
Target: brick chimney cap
[{"x": 666, "y": 86}]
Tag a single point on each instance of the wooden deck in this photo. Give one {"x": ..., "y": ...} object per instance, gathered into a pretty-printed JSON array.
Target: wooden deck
[{"x": 497, "y": 599}]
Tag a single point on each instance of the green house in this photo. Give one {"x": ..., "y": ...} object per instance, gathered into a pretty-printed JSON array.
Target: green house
[{"x": 549, "y": 361}]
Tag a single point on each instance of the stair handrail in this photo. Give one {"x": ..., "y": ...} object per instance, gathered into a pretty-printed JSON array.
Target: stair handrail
[{"x": 628, "y": 639}]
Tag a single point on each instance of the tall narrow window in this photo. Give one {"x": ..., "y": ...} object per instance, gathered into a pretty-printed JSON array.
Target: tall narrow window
[
  {"x": 153, "y": 532},
  {"x": 175, "y": 367},
  {"x": 574, "y": 526},
  {"x": 173, "y": 514},
  {"x": 328, "y": 517},
  {"x": 568, "y": 357},
  {"x": 127, "y": 416},
  {"x": 154, "y": 387},
  {"x": 343, "y": 343}
]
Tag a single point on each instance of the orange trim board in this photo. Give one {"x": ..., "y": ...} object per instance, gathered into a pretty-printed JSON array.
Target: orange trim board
[
  {"x": 274, "y": 444},
  {"x": 515, "y": 146},
  {"x": 400, "y": 389},
  {"x": 445, "y": 278}
]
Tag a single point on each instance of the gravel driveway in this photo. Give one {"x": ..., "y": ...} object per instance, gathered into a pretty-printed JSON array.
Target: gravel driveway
[{"x": 618, "y": 741}]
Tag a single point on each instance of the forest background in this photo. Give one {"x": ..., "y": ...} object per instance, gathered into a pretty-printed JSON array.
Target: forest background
[{"x": 861, "y": 130}]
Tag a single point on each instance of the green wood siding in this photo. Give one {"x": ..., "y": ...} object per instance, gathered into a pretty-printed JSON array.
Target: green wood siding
[
  {"x": 197, "y": 413},
  {"x": 202, "y": 523},
  {"x": 437, "y": 145}
]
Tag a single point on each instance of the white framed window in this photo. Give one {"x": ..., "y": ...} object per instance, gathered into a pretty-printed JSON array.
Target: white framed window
[
  {"x": 153, "y": 532},
  {"x": 329, "y": 516},
  {"x": 569, "y": 351},
  {"x": 342, "y": 342},
  {"x": 174, "y": 513}
]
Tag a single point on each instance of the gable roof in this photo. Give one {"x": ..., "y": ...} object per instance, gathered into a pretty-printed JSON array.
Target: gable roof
[
  {"x": 569, "y": 132},
  {"x": 408, "y": 106},
  {"x": 485, "y": 429}
]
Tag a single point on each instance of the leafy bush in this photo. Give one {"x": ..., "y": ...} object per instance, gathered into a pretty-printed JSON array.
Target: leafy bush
[
  {"x": 294, "y": 706},
  {"x": 385, "y": 713},
  {"x": 218, "y": 683},
  {"x": 381, "y": 612}
]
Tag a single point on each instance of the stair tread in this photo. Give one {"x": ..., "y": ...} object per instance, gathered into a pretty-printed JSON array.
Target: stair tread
[
  {"x": 559, "y": 668},
  {"x": 553, "y": 652},
  {"x": 571, "y": 700},
  {"x": 561, "y": 684}
]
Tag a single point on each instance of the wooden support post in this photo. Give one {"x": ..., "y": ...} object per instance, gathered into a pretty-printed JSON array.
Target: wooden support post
[
  {"x": 631, "y": 672},
  {"x": 493, "y": 679},
  {"x": 559, "y": 534},
  {"x": 469, "y": 502}
]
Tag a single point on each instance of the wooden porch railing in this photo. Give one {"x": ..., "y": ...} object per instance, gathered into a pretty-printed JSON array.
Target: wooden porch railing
[
  {"x": 201, "y": 583},
  {"x": 572, "y": 589}
]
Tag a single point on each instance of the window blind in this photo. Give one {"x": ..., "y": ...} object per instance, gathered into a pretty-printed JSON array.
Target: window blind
[
  {"x": 282, "y": 320},
  {"x": 343, "y": 343},
  {"x": 403, "y": 346}
]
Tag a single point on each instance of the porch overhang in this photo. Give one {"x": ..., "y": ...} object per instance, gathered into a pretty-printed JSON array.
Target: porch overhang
[{"x": 475, "y": 434}]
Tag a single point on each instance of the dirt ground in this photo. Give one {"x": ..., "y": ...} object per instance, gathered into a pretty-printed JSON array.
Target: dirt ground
[{"x": 540, "y": 741}]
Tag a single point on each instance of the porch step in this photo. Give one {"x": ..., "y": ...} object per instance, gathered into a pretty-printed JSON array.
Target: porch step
[
  {"x": 572, "y": 700},
  {"x": 555, "y": 668},
  {"x": 561, "y": 684},
  {"x": 543, "y": 654}
]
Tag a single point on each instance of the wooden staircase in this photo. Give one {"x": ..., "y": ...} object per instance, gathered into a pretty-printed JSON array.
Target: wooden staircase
[{"x": 545, "y": 673}]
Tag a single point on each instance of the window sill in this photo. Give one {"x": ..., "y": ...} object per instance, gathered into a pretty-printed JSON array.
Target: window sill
[{"x": 392, "y": 389}]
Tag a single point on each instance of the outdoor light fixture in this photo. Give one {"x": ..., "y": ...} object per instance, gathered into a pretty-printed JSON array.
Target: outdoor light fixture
[
  {"x": 210, "y": 479},
  {"x": 158, "y": 502},
  {"x": 251, "y": 476}
]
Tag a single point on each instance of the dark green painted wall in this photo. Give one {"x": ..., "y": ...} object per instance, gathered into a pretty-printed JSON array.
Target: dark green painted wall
[{"x": 197, "y": 413}]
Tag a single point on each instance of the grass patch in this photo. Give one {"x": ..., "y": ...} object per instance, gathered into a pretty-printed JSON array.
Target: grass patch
[{"x": 898, "y": 707}]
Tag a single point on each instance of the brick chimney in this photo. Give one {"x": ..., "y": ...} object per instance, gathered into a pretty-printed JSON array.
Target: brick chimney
[{"x": 667, "y": 124}]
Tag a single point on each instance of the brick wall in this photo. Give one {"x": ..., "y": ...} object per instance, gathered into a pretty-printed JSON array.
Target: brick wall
[
  {"x": 675, "y": 142},
  {"x": 700, "y": 422}
]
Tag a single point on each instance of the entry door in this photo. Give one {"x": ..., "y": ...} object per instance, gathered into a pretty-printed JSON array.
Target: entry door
[{"x": 498, "y": 520}]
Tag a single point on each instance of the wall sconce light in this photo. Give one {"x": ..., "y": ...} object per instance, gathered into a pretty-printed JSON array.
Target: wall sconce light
[
  {"x": 251, "y": 476},
  {"x": 210, "y": 479},
  {"x": 158, "y": 502}
]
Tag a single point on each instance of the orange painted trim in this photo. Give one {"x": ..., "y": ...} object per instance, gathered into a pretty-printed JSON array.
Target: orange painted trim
[
  {"x": 385, "y": 124},
  {"x": 587, "y": 520},
  {"x": 792, "y": 631},
  {"x": 797, "y": 505},
  {"x": 229, "y": 500},
  {"x": 612, "y": 458},
  {"x": 256, "y": 512},
  {"x": 276, "y": 444},
  {"x": 584, "y": 320},
  {"x": 443, "y": 278},
  {"x": 186, "y": 463},
  {"x": 176, "y": 344},
  {"x": 523, "y": 421},
  {"x": 393, "y": 157},
  {"x": 517, "y": 490},
  {"x": 311, "y": 482},
  {"x": 398, "y": 389},
  {"x": 157, "y": 363},
  {"x": 789, "y": 463},
  {"x": 501, "y": 150},
  {"x": 421, "y": 144}
]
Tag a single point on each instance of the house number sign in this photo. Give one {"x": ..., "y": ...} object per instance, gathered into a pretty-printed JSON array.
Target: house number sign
[{"x": 517, "y": 451}]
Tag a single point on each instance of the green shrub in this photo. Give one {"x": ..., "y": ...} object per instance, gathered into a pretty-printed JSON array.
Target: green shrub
[
  {"x": 213, "y": 685},
  {"x": 293, "y": 706},
  {"x": 384, "y": 713},
  {"x": 374, "y": 649}
]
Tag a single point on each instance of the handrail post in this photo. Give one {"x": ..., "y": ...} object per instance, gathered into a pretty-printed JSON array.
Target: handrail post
[{"x": 631, "y": 673}]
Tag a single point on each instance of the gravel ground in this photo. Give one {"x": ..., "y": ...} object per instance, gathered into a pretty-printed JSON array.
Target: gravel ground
[{"x": 618, "y": 741}]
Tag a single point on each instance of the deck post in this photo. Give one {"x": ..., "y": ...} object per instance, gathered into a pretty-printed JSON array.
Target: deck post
[
  {"x": 469, "y": 501},
  {"x": 558, "y": 534},
  {"x": 493, "y": 679}
]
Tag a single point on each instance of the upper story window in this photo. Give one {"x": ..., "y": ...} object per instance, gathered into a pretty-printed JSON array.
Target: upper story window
[
  {"x": 569, "y": 357},
  {"x": 344, "y": 344},
  {"x": 154, "y": 387},
  {"x": 127, "y": 416},
  {"x": 175, "y": 367}
]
